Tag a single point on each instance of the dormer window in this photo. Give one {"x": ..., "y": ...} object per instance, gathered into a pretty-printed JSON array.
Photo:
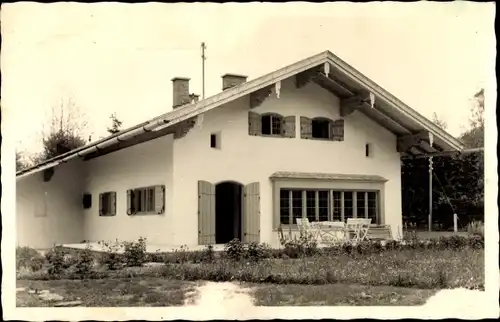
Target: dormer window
[{"x": 271, "y": 124}]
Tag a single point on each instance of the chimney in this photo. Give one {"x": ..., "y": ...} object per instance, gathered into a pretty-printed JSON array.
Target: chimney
[
  {"x": 231, "y": 80},
  {"x": 180, "y": 91}
]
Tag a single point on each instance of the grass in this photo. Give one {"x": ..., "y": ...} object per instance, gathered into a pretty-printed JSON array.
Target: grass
[
  {"x": 337, "y": 295},
  {"x": 108, "y": 292},
  {"x": 428, "y": 269}
]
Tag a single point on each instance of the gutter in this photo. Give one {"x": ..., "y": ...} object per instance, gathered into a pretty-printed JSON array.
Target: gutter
[{"x": 94, "y": 147}]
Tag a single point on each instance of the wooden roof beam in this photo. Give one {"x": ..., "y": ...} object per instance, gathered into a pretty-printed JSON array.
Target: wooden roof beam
[{"x": 406, "y": 142}]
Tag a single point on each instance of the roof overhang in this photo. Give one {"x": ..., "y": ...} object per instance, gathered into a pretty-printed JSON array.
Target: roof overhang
[{"x": 416, "y": 134}]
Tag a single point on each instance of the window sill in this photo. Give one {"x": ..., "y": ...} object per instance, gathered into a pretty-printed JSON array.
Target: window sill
[
  {"x": 272, "y": 136},
  {"x": 152, "y": 213}
]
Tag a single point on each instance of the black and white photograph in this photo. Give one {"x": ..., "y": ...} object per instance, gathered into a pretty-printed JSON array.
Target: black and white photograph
[{"x": 252, "y": 160}]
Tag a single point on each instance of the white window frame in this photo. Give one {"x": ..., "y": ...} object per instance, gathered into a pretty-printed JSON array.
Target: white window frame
[{"x": 332, "y": 186}]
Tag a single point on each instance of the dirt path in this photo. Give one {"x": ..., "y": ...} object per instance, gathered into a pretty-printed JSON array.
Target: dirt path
[
  {"x": 458, "y": 300},
  {"x": 221, "y": 298}
]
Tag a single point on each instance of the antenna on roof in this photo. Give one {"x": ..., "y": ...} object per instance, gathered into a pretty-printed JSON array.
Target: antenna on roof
[{"x": 203, "y": 58}]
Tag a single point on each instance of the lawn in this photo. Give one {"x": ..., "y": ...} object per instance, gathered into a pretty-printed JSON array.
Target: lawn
[
  {"x": 337, "y": 295},
  {"x": 108, "y": 292},
  {"x": 399, "y": 274}
]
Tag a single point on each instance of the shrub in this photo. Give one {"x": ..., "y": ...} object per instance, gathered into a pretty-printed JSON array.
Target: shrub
[
  {"x": 256, "y": 252},
  {"x": 476, "y": 228},
  {"x": 208, "y": 254},
  {"x": 29, "y": 258},
  {"x": 84, "y": 262},
  {"x": 305, "y": 245},
  {"x": 135, "y": 252},
  {"x": 57, "y": 259},
  {"x": 111, "y": 258},
  {"x": 234, "y": 250}
]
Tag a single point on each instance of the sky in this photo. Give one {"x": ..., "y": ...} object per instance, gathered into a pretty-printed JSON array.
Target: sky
[{"x": 120, "y": 58}]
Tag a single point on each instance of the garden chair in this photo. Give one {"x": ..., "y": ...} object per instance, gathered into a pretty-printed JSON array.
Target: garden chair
[
  {"x": 305, "y": 227},
  {"x": 357, "y": 228}
]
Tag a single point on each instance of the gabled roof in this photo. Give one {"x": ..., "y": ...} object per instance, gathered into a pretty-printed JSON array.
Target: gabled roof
[{"x": 325, "y": 69}]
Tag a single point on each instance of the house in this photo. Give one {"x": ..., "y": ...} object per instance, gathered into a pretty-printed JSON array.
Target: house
[{"x": 315, "y": 139}]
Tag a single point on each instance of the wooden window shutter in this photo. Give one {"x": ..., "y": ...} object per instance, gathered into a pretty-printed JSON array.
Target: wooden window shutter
[
  {"x": 130, "y": 202},
  {"x": 251, "y": 213},
  {"x": 101, "y": 210},
  {"x": 338, "y": 130},
  {"x": 254, "y": 123},
  {"x": 288, "y": 126},
  {"x": 112, "y": 205},
  {"x": 159, "y": 199},
  {"x": 305, "y": 127},
  {"x": 206, "y": 213}
]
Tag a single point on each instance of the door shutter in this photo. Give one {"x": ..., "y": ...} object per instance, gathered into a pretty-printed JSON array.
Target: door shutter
[
  {"x": 206, "y": 213},
  {"x": 130, "y": 196},
  {"x": 305, "y": 127},
  {"x": 254, "y": 124},
  {"x": 100, "y": 204},
  {"x": 288, "y": 127},
  {"x": 159, "y": 199},
  {"x": 338, "y": 130},
  {"x": 251, "y": 213},
  {"x": 112, "y": 204}
]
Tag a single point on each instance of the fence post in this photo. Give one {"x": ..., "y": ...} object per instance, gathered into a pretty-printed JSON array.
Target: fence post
[{"x": 455, "y": 223}]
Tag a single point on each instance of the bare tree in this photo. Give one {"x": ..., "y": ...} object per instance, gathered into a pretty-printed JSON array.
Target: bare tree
[{"x": 439, "y": 122}]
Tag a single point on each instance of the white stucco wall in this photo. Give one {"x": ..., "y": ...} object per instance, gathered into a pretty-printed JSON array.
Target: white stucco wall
[
  {"x": 50, "y": 212},
  {"x": 142, "y": 165},
  {"x": 247, "y": 159}
]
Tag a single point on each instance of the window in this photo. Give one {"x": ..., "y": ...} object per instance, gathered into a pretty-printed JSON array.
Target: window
[
  {"x": 311, "y": 205},
  {"x": 271, "y": 124},
  {"x": 149, "y": 200},
  {"x": 296, "y": 205},
  {"x": 285, "y": 206},
  {"x": 321, "y": 129},
  {"x": 323, "y": 205},
  {"x": 107, "y": 204},
  {"x": 87, "y": 201},
  {"x": 368, "y": 150},
  {"x": 348, "y": 205},
  {"x": 337, "y": 206},
  {"x": 372, "y": 206},
  {"x": 215, "y": 140},
  {"x": 327, "y": 205},
  {"x": 360, "y": 204}
]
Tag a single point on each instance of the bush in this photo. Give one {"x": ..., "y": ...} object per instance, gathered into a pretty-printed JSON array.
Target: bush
[
  {"x": 135, "y": 252},
  {"x": 234, "y": 250},
  {"x": 84, "y": 262},
  {"x": 476, "y": 228},
  {"x": 256, "y": 252},
  {"x": 111, "y": 258},
  {"x": 293, "y": 247},
  {"x": 29, "y": 258},
  {"x": 58, "y": 260}
]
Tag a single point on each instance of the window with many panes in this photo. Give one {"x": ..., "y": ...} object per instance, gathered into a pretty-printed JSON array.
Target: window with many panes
[{"x": 327, "y": 205}]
